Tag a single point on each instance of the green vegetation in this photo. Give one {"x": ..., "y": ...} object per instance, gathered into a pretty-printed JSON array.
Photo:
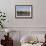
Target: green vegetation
[
  {"x": 2, "y": 19},
  {"x": 23, "y": 12}
]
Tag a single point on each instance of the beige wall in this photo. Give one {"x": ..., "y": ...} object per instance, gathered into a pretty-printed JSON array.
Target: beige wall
[
  {"x": 37, "y": 23},
  {"x": 39, "y": 13}
]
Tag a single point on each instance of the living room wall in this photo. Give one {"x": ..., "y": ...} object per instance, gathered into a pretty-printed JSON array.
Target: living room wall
[
  {"x": 39, "y": 13},
  {"x": 37, "y": 23}
]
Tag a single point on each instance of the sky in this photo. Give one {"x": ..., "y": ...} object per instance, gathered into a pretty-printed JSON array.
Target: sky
[{"x": 23, "y": 8}]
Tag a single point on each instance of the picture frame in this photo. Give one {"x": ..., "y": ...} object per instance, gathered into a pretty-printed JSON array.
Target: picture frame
[{"x": 23, "y": 11}]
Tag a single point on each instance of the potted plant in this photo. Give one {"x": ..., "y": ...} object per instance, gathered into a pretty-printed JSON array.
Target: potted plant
[{"x": 2, "y": 19}]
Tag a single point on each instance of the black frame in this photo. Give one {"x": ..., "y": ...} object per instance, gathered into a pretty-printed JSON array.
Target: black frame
[{"x": 24, "y": 17}]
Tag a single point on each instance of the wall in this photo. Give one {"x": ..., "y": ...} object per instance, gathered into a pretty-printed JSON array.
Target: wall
[
  {"x": 39, "y": 13},
  {"x": 37, "y": 23}
]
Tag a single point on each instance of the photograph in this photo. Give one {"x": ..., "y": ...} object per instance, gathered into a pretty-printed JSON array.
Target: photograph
[{"x": 23, "y": 11}]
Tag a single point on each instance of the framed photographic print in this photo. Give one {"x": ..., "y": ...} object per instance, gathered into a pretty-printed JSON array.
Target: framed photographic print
[{"x": 23, "y": 11}]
